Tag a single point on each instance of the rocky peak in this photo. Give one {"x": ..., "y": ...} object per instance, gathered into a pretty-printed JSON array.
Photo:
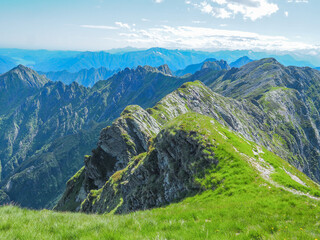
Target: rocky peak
[
  {"x": 241, "y": 62},
  {"x": 165, "y": 69},
  {"x": 128, "y": 136},
  {"x": 215, "y": 65},
  {"x": 24, "y": 77},
  {"x": 120, "y": 175}
]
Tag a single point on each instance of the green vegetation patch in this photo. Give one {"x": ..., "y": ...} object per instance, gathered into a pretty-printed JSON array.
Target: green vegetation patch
[{"x": 236, "y": 201}]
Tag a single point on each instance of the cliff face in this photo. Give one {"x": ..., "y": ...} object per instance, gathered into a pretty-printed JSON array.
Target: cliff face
[
  {"x": 116, "y": 176},
  {"x": 45, "y": 133},
  {"x": 43, "y": 137},
  {"x": 290, "y": 98},
  {"x": 155, "y": 178},
  {"x": 127, "y": 137}
]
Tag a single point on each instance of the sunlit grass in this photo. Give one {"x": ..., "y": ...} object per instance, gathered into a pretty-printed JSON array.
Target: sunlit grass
[
  {"x": 238, "y": 203},
  {"x": 253, "y": 213}
]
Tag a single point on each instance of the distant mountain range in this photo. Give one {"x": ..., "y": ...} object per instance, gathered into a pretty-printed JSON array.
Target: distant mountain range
[
  {"x": 73, "y": 61},
  {"x": 47, "y": 127},
  {"x": 241, "y": 62},
  {"x": 153, "y": 157},
  {"x": 89, "y": 77},
  {"x": 84, "y": 77},
  {"x": 175, "y": 59},
  {"x": 6, "y": 64}
]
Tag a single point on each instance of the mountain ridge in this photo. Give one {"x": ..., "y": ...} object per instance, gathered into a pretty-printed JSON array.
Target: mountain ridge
[
  {"x": 241, "y": 62},
  {"x": 33, "y": 133},
  {"x": 83, "y": 108},
  {"x": 126, "y": 158},
  {"x": 84, "y": 77}
]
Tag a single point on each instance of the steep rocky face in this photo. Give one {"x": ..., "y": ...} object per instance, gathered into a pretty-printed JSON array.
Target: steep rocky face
[
  {"x": 165, "y": 70},
  {"x": 39, "y": 137},
  {"x": 128, "y": 136},
  {"x": 192, "y": 153},
  {"x": 143, "y": 86},
  {"x": 259, "y": 76},
  {"x": 18, "y": 84},
  {"x": 191, "y": 97},
  {"x": 289, "y": 138},
  {"x": 22, "y": 77},
  {"x": 50, "y": 113},
  {"x": 290, "y": 98},
  {"x": 166, "y": 174},
  {"x": 216, "y": 65}
]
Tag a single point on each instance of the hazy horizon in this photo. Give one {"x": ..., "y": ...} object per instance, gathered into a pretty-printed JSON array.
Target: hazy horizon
[{"x": 83, "y": 25}]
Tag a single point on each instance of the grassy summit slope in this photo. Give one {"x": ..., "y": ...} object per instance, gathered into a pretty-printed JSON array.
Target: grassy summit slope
[{"x": 242, "y": 191}]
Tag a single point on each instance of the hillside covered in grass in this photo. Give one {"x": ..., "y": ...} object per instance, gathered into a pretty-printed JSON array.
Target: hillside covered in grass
[
  {"x": 197, "y": 165},
  {"x": 240, "y": 191}
]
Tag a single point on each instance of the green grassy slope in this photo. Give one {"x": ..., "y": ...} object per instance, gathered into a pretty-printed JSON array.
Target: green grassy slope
[
  {"x": 250, "y": 194},
  {"x": 256, "y": 214}
]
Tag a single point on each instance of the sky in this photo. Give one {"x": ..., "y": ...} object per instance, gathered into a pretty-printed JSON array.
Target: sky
[{"x": 275, "y": 25}]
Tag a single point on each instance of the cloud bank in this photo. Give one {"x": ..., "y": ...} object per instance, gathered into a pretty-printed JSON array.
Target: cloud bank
[
  {"x": 209, "y": 38},
  {"x": 248, "y": 9}
]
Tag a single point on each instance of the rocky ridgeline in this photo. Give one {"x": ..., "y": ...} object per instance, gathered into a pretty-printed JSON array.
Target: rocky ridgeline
[
  {"x": 290, "y": 98},
  {"x": 137, "y": 161},
  {"x": 272, "y": 105},
  {"x": 44, "y": 134}
]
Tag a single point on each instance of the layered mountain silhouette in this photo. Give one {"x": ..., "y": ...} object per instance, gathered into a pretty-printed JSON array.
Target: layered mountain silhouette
[
  {"x": 6, "y": 64},
  {"x": 40, "y": 130},
  {"x": 241, "y": 62},
  {"x": 84, "y": 77},
  {"x": 45, "y": 136}
]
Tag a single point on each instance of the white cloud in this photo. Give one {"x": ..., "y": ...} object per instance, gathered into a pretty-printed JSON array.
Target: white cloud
[
  {"x": 209, "y": 38},
  {"x": 286, "y": 13},
  {"x": 158, "y": 1},
  {"x": 298, "y": 1},
  {"x": 248, "y": 9},
  {"x": 99, "y": 27},
  {"x": 122, "y": 25},
  {"x": 223, "y": 13},
  {"x": 206, "y": 7}
]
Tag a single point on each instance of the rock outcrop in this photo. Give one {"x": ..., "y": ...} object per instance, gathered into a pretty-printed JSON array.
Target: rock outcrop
[
  {"x": 127, "y": 137},
  {"x": 43, "y": 135},
  {"x": 250, "y": 119},
  {"x": 164, "y": 175}
]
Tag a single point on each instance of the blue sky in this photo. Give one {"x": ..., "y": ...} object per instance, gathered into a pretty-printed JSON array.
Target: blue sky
[{"x": 278, "y": 25}]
